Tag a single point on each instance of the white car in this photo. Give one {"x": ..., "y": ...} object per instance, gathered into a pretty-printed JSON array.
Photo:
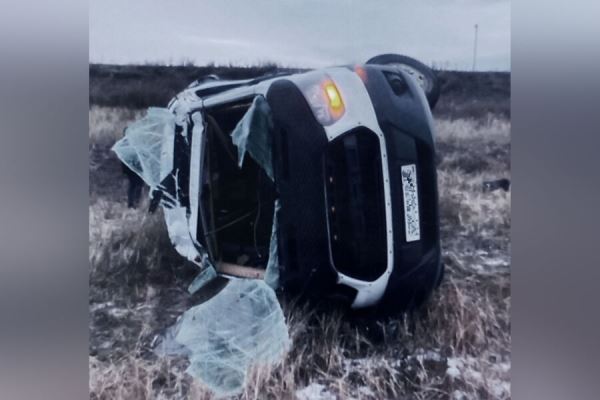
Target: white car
[{"x": 323, "y": 183}]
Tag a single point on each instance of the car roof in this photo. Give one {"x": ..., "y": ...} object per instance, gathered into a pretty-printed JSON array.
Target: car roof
[{"x": 213, "y": 87}]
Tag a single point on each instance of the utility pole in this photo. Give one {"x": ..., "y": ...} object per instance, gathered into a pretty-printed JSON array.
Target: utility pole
[{"x": 475, "y": 48}]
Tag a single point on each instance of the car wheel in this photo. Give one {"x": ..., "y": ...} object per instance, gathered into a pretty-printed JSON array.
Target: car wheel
[{"x": 424, "y": 75}]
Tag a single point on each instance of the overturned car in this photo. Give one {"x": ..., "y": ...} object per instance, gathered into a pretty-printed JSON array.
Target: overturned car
[{"x": 322, "y": 183}]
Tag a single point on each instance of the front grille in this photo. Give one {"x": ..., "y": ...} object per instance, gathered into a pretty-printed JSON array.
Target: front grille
[{"x": 356, "y": 205}]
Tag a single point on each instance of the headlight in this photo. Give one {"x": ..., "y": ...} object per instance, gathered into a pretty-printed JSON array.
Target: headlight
[{"x": 323, "y": 97}]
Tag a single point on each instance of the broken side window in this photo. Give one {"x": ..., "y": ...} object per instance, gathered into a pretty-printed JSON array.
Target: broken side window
[{"x": 238, "y": 193}]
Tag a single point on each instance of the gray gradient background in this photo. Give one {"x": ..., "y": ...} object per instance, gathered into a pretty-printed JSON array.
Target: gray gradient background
[{"x": 44, "y": 195}]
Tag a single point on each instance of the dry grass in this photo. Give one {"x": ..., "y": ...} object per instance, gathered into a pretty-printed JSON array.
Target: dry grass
[{"x": 458, "y": 346}]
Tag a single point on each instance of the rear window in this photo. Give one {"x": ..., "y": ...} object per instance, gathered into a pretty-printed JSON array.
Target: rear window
[{"x": 356, "y": 205}]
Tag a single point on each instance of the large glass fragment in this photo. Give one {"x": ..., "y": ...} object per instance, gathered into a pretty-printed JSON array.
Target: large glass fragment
[
  {"x": 203, "y": 277},
  {"x": 253, "y": 134},
  {"x": 223, "y": 337},
  {"x": 147, "y": 147},
  {"x": 272, "y": 271}
]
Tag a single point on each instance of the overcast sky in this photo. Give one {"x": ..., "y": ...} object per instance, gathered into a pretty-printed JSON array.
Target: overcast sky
[{"x": 304, "y": 33}]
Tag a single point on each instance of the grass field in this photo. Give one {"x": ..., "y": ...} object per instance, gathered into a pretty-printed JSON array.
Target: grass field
[{"x": 458, "y": 346}]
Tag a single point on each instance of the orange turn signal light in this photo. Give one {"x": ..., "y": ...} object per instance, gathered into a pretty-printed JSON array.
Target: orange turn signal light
[{"x": 334, "y": 99}]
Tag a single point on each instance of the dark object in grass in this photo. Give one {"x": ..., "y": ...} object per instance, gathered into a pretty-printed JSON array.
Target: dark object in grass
[
  {"x": 490, "y": 186},
  {"x": 134, "y": 187}
]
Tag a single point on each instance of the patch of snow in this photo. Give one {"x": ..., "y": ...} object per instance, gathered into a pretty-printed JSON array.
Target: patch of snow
[
  {"x": 473, "y": 375},
  {"x": 458, "y": 395},
  {"x": 118, "y": 313},
  {"x": 496, "y": 262},
  {"x": 478, "y": 267},
  {"x": 477, "y": 373},
  {"x": 500, "y": 388},
  {"x": 429, "y": 355},
  {"x": 101, "y": 306},
  {"x": 365, "y": 391},
  {"x": 110, "y": 309},
  {"x": 454, "y": 366},
  {"x": 107, "y": 344},
  {"x": 315, "y": 391}
]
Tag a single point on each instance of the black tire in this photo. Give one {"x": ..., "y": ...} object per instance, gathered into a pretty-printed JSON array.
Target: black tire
[{"x": 421, "y": 72}]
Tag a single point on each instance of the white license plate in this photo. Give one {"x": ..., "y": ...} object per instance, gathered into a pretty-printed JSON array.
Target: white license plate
[{"x": 411, "y": 202}]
